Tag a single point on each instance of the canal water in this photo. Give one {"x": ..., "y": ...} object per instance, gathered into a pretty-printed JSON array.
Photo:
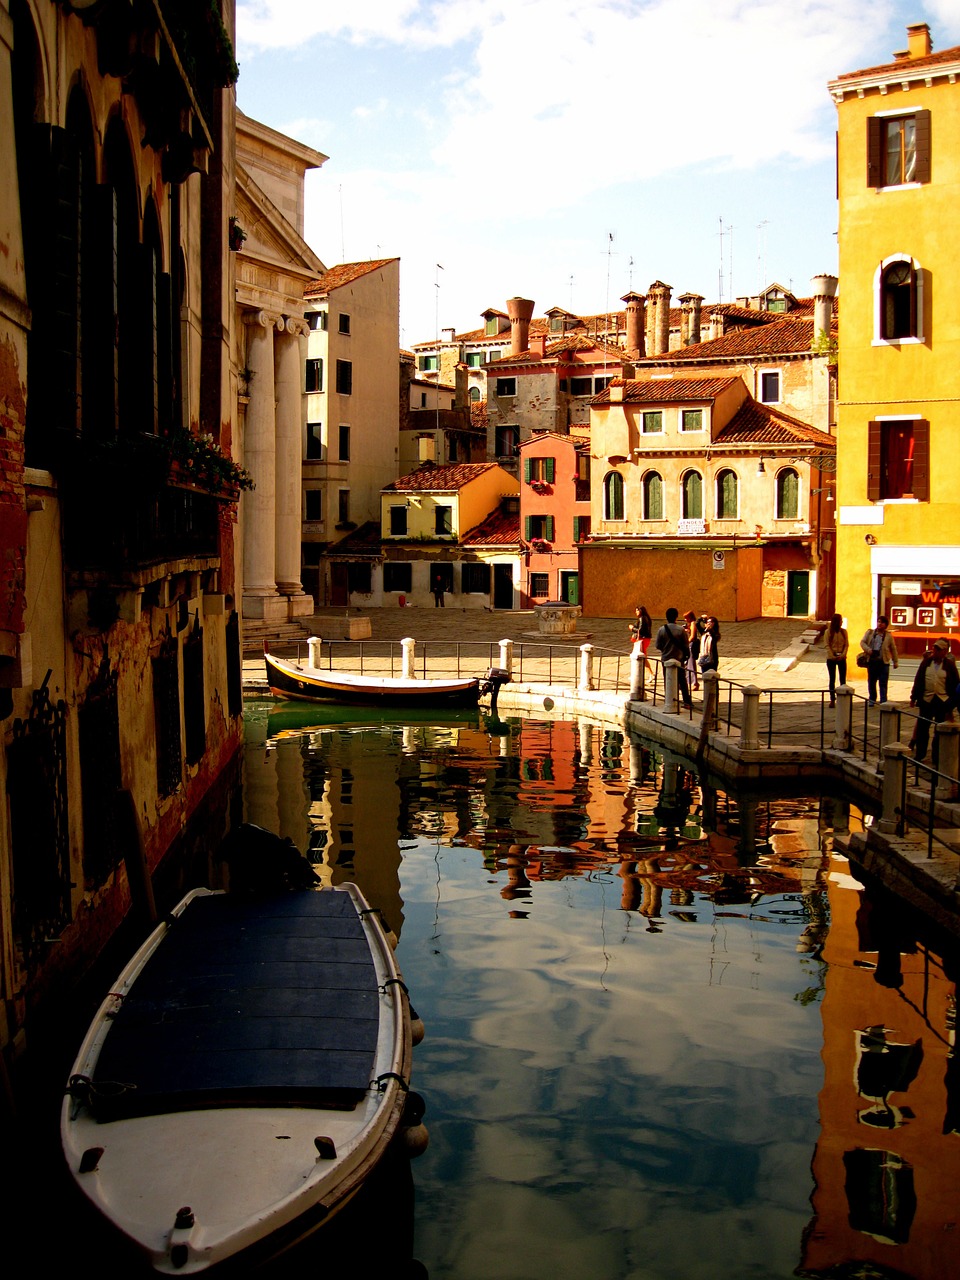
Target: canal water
[{"x": 669, "y": 1034}]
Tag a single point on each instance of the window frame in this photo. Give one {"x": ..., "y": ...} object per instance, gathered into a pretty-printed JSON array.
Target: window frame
[
  {"x": 443, "y": 520},
  {"x": 474, "y": 578},
  {"x": 651, "y": 414},
  {"x": 343, "y": 442},
  {"x": 880, "y": 286},
  {"x": 781, "y": 511},
  {"x": 763, "y": 374},
  {"x": 539, "y": 586},
  {"x": 878, "y": 126},
  {"x": 343, "y": 323},
  {"x": 690, "y": 475},
  {"x": 344, "y": 378},
  {"x": 614, "y": 504},
  {"x": 310, "y": 497},
  {"x": 314, "y": 449},
  {"x": 500, "y": 388},
  {"x": 649, "y": 478},
  {"x": 397, "y": 577},
  {"x": 719, "y": 494},
  {"x": 682, "y": 422},
  {"x": 396, "y": 511},
  {"x": 877, "y": 459},
  {"x": 314, "y": 366}
]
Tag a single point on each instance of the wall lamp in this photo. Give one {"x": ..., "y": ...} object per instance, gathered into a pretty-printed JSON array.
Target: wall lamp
[
  {"x": 869, "y": 539},
  {"x": 761, "y": 469}
]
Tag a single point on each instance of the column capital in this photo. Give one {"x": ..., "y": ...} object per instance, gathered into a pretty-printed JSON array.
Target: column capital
[
  {"x": 263, "y": 320},
  {"x": 296, "y": 326}
]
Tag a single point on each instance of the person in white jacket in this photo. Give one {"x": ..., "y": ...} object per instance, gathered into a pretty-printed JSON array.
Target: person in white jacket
[
  {"x": 881, "y": 649},
  {"x": 836, "y": 642}
]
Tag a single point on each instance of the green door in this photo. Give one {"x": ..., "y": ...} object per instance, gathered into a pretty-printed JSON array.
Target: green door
[
  {"x": 798, "y": 594},
  {"x": 570, "y": 587}
]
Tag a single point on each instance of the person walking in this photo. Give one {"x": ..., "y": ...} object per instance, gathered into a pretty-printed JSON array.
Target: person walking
[
  {"x": 934, "y": 694},
  {"x": 672, "y": 643},
  {"x": 641, "y": 629},
  {"x": 438, "y": 590},
  {"x": 693, "y": 644},
  {"x": 709, "y": 659},
  {"x": 881, "y": 649},
  {"x": 837, "y": 643}
]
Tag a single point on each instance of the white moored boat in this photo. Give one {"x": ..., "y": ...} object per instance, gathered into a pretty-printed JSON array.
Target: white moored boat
[
  {"x": 302, "y": 682},
  {"x": 246, "y": 1073}
]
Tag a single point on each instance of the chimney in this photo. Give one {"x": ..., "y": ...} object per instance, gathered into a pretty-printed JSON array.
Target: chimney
[
  {"x": 520, "y": 311},
  {"x": 636, "y": 304},
  {"x": 824, "y": 291},
  {"x": 461, "y": 393},
  {"x": 690, "y": 319},
  {"x": 447, "y": 334},
  {"x": 658, "y": 319},
  {"x": 919, "y": 44}
]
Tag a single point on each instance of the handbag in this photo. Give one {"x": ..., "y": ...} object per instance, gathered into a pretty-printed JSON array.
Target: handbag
[{"x": 862, "y": 660}]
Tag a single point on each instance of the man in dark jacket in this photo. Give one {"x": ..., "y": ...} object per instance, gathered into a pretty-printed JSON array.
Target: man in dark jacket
[
  {"x": 934, "y": 694},
  {"x": 672, "y": 643}
]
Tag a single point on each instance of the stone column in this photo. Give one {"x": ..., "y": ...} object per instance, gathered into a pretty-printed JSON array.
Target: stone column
[
  {"x": 947, "y": 736},
  {"x": 894, "y": 768},
  {"x": 260, "y": 596},
  {"x": 506, "y": 656},
  {"x": 671, "y": 685},
  {"x": 843, "y": 737},
  {"x": 289, "y": 465},
  {"x": 408, "y": 649},
  {"x": 750, "y": 726},
  {"x": 586, "y": 668},
  {"x": 638, "y": 667}
]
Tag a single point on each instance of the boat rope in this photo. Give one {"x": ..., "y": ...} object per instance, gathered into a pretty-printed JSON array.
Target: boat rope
[
  {"x": 398, "y": 982},
  {"x": 372, "y": 911},
  {"x": 381, "y": 1081},
  {"x": 84, "y": 1090}
]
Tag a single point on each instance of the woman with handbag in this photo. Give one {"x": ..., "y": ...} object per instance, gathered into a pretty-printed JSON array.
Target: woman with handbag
[
  {"x": 880, "y": 649},
  {"x": 693, "y": 641},
  {"x": 709, "y": 659},
  {"x": 837, "y": 643}
]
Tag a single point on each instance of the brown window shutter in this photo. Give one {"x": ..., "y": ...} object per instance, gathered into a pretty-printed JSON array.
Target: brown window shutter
[
  {"x": 873, "y": 462},
  {"x": 922, "y": 171},
  {"x": 921, "y": 461},
  {"x": 914, "y": 317},
  {"x": 874, "y": 152}
]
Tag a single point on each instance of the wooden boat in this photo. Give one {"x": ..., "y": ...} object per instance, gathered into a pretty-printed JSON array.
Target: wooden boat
[
  {"x": 309, "y": 684},
  {"x": 246, "y": 1073}
]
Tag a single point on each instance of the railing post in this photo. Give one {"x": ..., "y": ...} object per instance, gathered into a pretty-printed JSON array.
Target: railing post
[
  {"x": 948, "y": 757},
  {"x": 894, "y": 775},
  {"x": 638, "y": 668},
  {"x": 750, "y": 725},
  {"x": 586, "y": 668},
  {"x": 889, "y": 727},
  {"x": 506, "y": 656},
  {"x": 843, "y": 732},
  {"x": 671, "y": 685},
  {"x": 314, "y": 645},
  {"x": 711, "y": 698},
  {"x": 408, "y": 648}
]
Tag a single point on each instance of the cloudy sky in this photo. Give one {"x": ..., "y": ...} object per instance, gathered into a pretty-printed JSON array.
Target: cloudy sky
[{"x": 568, "y": 150}]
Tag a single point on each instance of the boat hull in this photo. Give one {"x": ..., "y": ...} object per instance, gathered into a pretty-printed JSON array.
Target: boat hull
[
  {"x": 246, "y": 1049},
  {"x": 309, "y": 684}
]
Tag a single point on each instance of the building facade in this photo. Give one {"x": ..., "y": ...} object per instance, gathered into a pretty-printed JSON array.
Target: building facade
[
  {"x": 120, "y": 689},
  {"x": 899, "y": 351},
  {"x": 554, "y": 516}
]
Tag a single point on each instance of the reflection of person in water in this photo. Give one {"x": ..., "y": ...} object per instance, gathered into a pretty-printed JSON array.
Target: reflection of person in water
[{"x": 884, "y": 1067}]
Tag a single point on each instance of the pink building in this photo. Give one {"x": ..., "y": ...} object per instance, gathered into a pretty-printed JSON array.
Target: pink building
[{"x": 554, "y": 516}]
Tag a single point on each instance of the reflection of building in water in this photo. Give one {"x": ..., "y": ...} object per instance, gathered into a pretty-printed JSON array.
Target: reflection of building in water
[{"x": 887, "y": 1165}]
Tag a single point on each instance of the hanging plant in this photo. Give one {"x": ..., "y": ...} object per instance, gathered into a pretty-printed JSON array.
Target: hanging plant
[{"x": 236, "y": 235}]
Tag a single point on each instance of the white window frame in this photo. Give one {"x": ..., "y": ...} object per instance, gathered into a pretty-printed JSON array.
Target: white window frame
[
  {"x": 691, "y": 431},
  {"x": 909, "y": 111},
  {"x": 649, "y": 413},
  {"x": 917, "y": 339},
  {"x": 716, "y": 492},
  {"x": 761, "y": 373}
]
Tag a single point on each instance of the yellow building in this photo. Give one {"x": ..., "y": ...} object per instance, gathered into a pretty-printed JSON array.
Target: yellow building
[{"x": 899, "y": 394}]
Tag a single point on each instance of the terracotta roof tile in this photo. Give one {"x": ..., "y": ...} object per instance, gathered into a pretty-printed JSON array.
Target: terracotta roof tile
[
  {"x": 906, "y": 65},
  {"x": 343, "y": 274},
  {"x": 500, "y": 529},
  {"x": 363, "y": 541},
  {"x": 756, "y": 423},
  {"x": 784, "y": 337},
  {"x": 439, "y": 479},
  {"x": 665, "y": 390}
]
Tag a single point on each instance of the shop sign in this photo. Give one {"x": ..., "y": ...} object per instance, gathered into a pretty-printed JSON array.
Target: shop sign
[
  {"x": 900, "y": 616},
  {"x": 691, "y": 526},
  {"x": 951, "y": 613},
  {"x": 927, "y": 617},
  {"x": 905, "y": 588}
]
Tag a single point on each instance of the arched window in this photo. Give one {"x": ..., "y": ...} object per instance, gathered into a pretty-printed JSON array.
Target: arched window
[
  {"x": 691, "y": 495},
  {"x": 652, "y": 496},
  {"x": 899, "y": 299},
  {"x": 613, "y": 496},
  {"x": 474, "y": 394},
  {"x": 122, "y": 284},
  {"x": 727, "y": 495},
  {"x": 788, "y": 494}
]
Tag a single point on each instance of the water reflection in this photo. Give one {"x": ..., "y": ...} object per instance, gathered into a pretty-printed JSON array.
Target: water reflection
[{"x": 668, "y": 1033}]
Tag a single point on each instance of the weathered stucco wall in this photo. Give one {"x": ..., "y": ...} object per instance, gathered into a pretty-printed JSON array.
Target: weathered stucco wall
[{"x": 615, "y": 579}]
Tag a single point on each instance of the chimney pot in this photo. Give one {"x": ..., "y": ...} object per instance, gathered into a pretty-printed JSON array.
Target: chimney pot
[
  {"x": 520, "y": 311},
  {"x": 919, "y": 44}
]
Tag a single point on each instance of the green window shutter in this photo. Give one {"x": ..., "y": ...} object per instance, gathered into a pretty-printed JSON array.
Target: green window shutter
[
  {"x": 549, "y": 528},
  {"x": 550, "y": 469},
  {"x": 576, "y": 528},
  {"x": 528, "y": 528},
  {"x": 527, "y": 469}
]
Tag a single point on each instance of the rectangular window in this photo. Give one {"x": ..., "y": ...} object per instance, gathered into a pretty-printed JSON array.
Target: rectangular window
[
  {"x": 506, "y": 442},
  {"x": 397, "y": 577},
  {"x": 652, "y": 422},
  {"x": 345, "y": 377},
  {"x": 313, "y": 504},
  {"x": 443, "y": 524},
  {"x": 770, "y": 388},
  {"x": 581, "y": 528},
  {"x": 359, "y": 578},
  {"x": 314, "y": 380},
  {"x": 344, "y": 325},
  {"x": 898, "y": 459},
  {"x": 506, "y": 387},
  {"x": 491, "y": 327},
  {"x": 343, "y": 506},
  {"x": 538, "y": 528},
  {"x": 474, "y": 359},
  {"x": 539, "y": 470},
  {"x": 898, "y": 149},
  {"x": 601, "y": 384},
  {"x": 475, "y": 579},
  {"x": 539, "y": 585},
  {"x": 398, "y": 521},
  {"x": 581, "y": 386},
  {"x": 316, "y": 320},
  {"x": 427, "y": 364},
  {"x": 691, "y": 420},
  {"x": 315, "y": 440},
  {"x": 344, "y": 443}
]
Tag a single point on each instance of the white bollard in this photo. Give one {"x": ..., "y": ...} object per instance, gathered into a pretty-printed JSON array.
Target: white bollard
[
  {"x": 671, "y": 685},
  {"x": 314, "y": 647},
  {"x": 506, "y": 656},
  {"x": 750, "y": 726},
  {"x": 894, "y": 772},
  {"x": 889, "y": 727},
  {"x": 585, "y": 683},
  {"x": 711, "y": 698},
  {"x": 843, "y": 731},
  {"x": 638, "y": 668},
  {"x": 409, "y": 650}
]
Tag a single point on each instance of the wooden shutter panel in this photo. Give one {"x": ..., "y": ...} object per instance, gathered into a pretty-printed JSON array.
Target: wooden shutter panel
[
  {"x": 922, "y": 122},
  {"x": 528, "y": 527},
  {"x": 921, "y": 461},
  {"x": 549, "y": 528},
  {"x": 527, "y": 469},
  {"x": 576, "y": 528},
  {"x": 873, "y": 461},
  {"x": 550, "y": 469},
  {"x": 914, "y": 291},
  {"x": 874, "y": 152}
]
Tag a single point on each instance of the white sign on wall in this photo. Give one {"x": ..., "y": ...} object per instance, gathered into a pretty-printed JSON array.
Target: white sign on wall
[
  {"x": 927, "y": 617},
  {"x": 901, "y": 616},
  {"x": 691, "y": 526},
  {"x": 899, "y": 587},
  {"x": 719, "y": 560}
]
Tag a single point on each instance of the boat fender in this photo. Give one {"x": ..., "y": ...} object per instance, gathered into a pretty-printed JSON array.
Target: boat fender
[
  {"x": 413, "y": 1136},
  {"x": 417, "y": 1029}
]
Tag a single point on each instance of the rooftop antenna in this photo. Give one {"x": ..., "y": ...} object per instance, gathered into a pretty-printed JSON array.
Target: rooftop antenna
[
  {"x": 436, "y": 393},
  {"x": 571, "y": 295},
  {"x": 343, "y": 251},
  {"x": 630, "y": 275},
  {"x": 762, "y": 254},
  {"x": 730, "y": 262},
  {"x": 720, "y": 274}
]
